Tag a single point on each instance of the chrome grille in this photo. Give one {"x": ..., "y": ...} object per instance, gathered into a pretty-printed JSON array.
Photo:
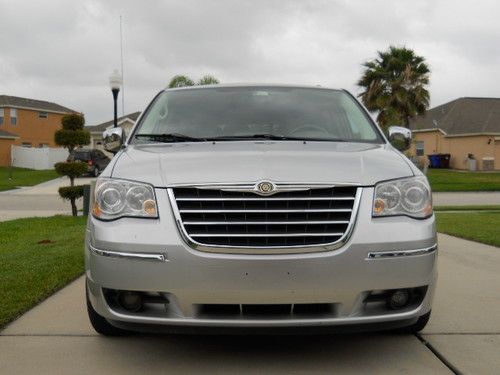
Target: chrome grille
[{"x": 306, "y": 217}]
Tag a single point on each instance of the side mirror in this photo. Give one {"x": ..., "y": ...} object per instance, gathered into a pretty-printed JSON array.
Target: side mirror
[
  {"x": 113, "y": 139},
  {"x": 400, "y": 137}
]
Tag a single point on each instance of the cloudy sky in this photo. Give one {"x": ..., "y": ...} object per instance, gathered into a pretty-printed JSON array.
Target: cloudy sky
[{"x": 64, "y": 50}]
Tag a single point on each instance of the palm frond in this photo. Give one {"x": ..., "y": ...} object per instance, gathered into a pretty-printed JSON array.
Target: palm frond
[{"x": 394, "y": 85}]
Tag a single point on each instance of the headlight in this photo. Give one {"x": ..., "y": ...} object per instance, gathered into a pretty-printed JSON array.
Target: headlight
[
  {"x": 408, "y": 196},
  {"x": 115, "y": 198}
]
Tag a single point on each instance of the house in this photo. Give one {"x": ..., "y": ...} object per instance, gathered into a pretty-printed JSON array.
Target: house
[
  {"x": 27, "y": 122},
  {"x": 463, "y": 128},
  {"x": 126, "y": 122}
]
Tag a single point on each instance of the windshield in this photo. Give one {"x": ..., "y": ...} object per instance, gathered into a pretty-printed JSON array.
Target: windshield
[{"x": 230, "y": 113}]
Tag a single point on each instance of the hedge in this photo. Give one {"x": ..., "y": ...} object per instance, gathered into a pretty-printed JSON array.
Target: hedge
[
  {"x": 71, "y": 192},
  {"x": 71, "y": 169}
]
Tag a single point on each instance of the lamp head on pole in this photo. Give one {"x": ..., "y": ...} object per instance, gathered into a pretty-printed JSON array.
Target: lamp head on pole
[{"x": 115, "y": 80}]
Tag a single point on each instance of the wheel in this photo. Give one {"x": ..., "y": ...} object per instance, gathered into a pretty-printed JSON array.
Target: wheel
[
  {"x": 417, "y": 326},
  {"x": 101, "y": 325},
  {"x": 95, "y": 171}
]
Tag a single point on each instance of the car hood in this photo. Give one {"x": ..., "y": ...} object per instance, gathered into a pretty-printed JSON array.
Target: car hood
[{"x": 250, "y": 161}]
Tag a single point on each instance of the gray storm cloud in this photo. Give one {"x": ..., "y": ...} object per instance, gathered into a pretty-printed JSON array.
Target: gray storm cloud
[{"x": 64, "y": 51}]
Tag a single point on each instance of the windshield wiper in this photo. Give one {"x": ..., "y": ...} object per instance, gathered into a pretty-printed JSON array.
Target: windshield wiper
[
  {"x": 177, "y": 137},
  {"x": 170, "y": 137}
]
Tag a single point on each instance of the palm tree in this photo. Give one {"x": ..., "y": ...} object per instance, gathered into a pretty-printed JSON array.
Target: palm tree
[
  {"x": 208, "y": 80},
  {"x": 180, "y": 81},
  {"x": 394, "y": 85}
]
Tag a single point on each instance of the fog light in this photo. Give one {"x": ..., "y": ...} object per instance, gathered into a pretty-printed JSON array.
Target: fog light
[
  {"x": 398, "y": 299},
  {"x": 131, "y": 301}
]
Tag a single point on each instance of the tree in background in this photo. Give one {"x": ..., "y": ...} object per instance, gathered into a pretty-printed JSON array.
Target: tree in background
[
  {"x": 70, "y": 136},
  {"x": 208, "y": 80},
  {"x": 182, "y": 81},
  {"x": 395, "y": 86}
]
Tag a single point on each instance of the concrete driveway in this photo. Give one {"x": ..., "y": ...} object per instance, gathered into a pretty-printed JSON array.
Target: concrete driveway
[
  {"x": 463, "y": 335},
  {"x": 466, "y": 198},
  {"x": 40, "y": 200}
]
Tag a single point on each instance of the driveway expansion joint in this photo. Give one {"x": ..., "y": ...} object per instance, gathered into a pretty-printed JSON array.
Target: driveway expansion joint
[
  {"x": 45, "y": 335},
  {"x": 438, "y": 355},
  {"x": 461, "y": 334}
]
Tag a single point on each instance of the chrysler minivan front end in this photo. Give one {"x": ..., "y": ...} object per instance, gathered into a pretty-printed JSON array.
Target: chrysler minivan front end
[{"x": 262, "y": 207}]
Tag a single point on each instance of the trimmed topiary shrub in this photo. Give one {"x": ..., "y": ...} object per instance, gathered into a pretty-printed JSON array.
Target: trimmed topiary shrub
[
  {"x": 71, "y": 192},
  {"x": 73, "y": 121},
  {"x": 70, "y": 136},
  {"x": 71, "y": 169}
]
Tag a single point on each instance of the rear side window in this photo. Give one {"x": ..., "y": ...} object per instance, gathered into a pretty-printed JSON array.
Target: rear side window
[{"x": 82, "y": 155}]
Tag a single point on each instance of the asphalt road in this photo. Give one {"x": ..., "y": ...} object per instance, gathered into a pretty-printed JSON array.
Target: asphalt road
[{"x": 463, "y": 335}]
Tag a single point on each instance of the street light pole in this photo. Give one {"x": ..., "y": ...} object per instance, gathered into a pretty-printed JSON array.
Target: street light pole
[
  {"x": 115, "y": 98},
  {"x": 115, "y": 81}
]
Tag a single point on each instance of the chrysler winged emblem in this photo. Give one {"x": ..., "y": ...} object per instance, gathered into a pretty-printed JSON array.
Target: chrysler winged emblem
[{"x": 265, "y": 188}]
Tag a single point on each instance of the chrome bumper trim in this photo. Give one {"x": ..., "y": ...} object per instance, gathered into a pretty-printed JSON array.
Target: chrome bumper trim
[
  {"x": 401, "y": 253},
  {"x": 158, "y": 257}
]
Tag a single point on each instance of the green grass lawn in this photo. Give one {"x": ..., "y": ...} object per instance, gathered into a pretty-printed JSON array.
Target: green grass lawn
[
  {"x": 24, "y": 177},
  {"x": 450, "y": 180},
  {"x": 493, "y": 207},
  {"x": 37, "y": 257},
  {"x": 476, "y": 226}
]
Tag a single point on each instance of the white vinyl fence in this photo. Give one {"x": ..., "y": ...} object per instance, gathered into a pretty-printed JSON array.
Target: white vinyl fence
[{"x": 37, "y": 158}]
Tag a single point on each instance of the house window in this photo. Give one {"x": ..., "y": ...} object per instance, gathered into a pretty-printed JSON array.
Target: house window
[
  {"x": 1, "y": 116},
  {"x": 13, "y": 116},
  {"x": 419, "y": 146},
  {"x": 43, "y": 115},
  {"x": 26, "y": 144},
  {"x": 43, "y": 145}
]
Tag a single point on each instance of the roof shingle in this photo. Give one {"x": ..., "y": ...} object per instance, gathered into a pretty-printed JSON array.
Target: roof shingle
[
  {"x": 462, "y": 116},
  {"x": 7, "y": 135},
  {"x": 15, "y": 101},
  {"x": 101, "y": 127}
]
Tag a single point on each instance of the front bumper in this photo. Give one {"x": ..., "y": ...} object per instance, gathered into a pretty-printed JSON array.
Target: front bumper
[{"x": 190, "y": 278}]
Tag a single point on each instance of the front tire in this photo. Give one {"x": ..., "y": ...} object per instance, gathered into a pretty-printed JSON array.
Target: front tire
[
  {"x": 95, "y": 171},
  {"x": 100, "y": 324}
]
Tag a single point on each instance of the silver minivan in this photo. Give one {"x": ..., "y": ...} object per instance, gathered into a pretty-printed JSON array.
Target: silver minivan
[{"x": 263, "y": 207}]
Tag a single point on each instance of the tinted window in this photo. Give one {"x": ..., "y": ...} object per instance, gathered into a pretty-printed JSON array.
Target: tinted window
[
  {"x": 82, "y": 155},
  {"x": 306, "y": 113}
]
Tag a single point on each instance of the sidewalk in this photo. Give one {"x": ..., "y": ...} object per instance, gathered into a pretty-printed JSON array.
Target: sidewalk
[
  {"x": 468, "y": 198},
  {"x": 37, "y": 201},
  {"x": 56, "y": 337}
]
